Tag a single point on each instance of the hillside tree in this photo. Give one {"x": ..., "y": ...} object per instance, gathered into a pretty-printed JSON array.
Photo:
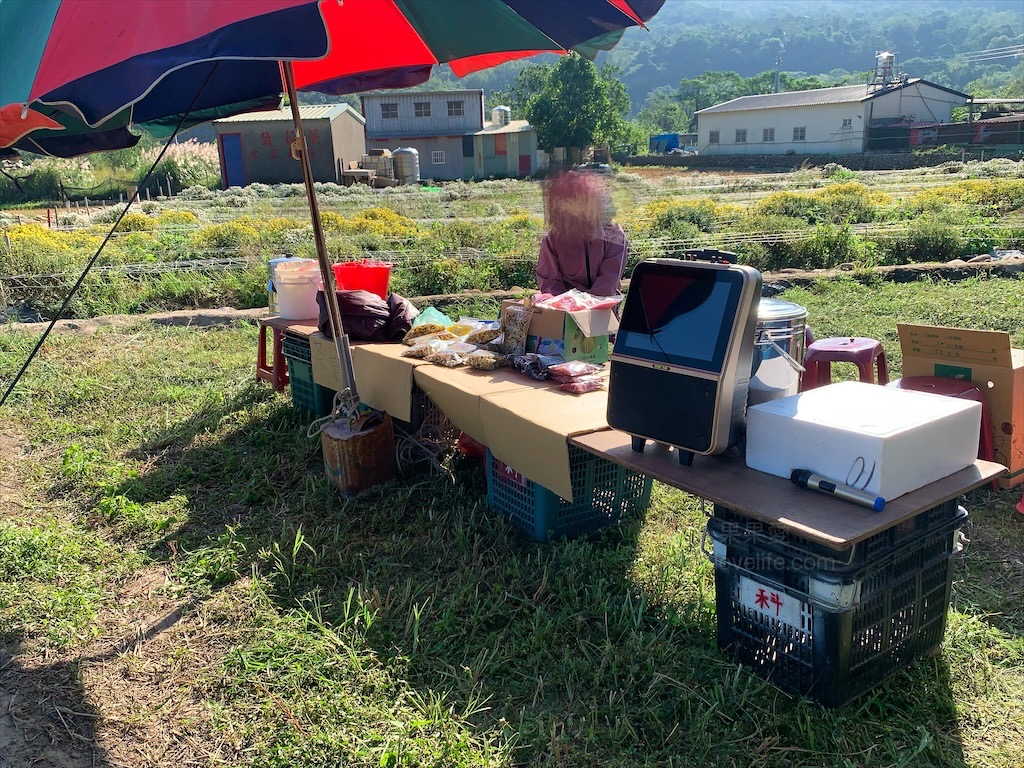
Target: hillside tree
[{"x": 578, "y": 106}]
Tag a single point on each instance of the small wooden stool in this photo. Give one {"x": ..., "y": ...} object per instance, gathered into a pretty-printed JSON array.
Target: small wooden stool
[
  {"x": 277, "y": 371},
  {"x": 866, "y": 354}
]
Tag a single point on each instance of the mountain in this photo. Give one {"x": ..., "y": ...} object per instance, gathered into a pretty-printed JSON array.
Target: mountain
[{"x": 955, "y": 43}]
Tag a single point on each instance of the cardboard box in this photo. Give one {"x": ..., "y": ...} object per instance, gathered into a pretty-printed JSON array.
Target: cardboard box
[
  {"x": 582, "y": 335},
  {"x": 383, "y": 377},
  {"x": 457, "y": 392},
  {"x": 882, "y": 440},
  {"x": 985, "y": 359}
]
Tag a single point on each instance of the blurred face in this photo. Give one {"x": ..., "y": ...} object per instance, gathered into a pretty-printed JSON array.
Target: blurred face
[{"x": 576, "y": 205}]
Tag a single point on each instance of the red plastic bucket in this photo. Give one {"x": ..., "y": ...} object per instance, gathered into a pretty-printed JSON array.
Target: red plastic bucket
[{"x": 372, "y": 276}]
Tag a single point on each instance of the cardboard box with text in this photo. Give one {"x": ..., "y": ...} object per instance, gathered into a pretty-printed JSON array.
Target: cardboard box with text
[
  {"x": 581, "y": 335},
  {"x": 985, "y": 359}
]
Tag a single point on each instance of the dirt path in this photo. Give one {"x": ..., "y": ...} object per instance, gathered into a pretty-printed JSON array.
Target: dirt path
[{"x": 126, "y": 698}]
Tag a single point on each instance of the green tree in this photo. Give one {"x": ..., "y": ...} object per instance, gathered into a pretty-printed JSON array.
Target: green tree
[
  {"x": 578, "y": 106},
  {"x": 528, "y": 82}
]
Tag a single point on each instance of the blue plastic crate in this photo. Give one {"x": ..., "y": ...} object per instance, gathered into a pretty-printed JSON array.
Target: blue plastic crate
[
  {"x": 603, "y": 493},
  {"x": 306, "y": 394}
]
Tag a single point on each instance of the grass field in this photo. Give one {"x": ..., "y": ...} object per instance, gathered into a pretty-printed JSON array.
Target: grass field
[{"x": 180, "y": 586}]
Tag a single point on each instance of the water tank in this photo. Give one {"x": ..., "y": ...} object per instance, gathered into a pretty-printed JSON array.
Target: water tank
[
  {"x": 501, "y": 115},
  {"x": 407, "y": 165}
]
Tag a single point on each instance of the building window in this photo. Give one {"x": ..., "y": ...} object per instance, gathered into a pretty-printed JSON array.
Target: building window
[
  {"x": 501, "y": 144},
  {"x": 421, "y": 108},
  {"x": 847, "y": 123},
  {"x": 456, "y": 108},
  {"x": 437, "y": 157},
  {"x": 741, "y": 136},
  {"x": 713, "y": 137},
  {"x": 800, "y": 134},
  {"x": 389, "y": 111},
  {"x": 768, "y": 135}
]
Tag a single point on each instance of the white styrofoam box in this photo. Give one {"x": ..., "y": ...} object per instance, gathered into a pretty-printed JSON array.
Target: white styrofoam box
[{"x": 884, "y": 441}]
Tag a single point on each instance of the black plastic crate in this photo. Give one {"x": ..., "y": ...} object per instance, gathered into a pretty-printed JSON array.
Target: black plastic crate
[
  {"x": 792, "y": 545},
  {"x": 306, "y": 394},
  {"x": 833, "y": 634},
  {"x": 603, "y": 493}
]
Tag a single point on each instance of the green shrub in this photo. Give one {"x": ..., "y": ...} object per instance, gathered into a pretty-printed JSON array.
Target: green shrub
[
  {"x": 189, "y": 164},
  {"x": 793, "y": 205},
  {"x": 136, "y": 222},
  {"x": 234, "y": 236},
  {"x": 836, "y": 171},
  {"x": 46, "y": 178},
  {"x": 927, "y": 238}
]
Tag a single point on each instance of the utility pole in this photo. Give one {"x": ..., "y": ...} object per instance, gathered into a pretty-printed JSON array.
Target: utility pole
[{"x": 778, "y": 72}]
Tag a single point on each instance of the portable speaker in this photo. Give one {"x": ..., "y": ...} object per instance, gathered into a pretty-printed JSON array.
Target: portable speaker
[{"x": 681, "y": 363}]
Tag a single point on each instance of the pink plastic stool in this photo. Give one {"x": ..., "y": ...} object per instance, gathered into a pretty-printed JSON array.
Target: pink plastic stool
[
  {"x": 939, "y": 385},
  {"x": 864, "y": 353}
]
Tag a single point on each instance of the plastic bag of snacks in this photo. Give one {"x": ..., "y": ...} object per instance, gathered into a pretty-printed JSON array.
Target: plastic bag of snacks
[
  {"x": 485, "y": 360},
  {"x": 426, "y": 347},
  {"x": 533, "y": 365},
  {"x": 484, "y": 333},
  {"x": 575, "y": 300},
  {"x": 582, "y": 384},
  {"x": 563, "y": 372},
  {"x": 462, "y": 328},
  {"x": 452, "y": 355},
  {"x": 432, "y": 315},
  {"x": 424, "y": 329},
  {"x": 515, "y": 327}
]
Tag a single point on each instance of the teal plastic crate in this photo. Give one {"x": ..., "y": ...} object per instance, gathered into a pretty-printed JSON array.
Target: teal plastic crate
[
  {"x": 603, "y": 493},
  {"x": 306, "y": 394}
]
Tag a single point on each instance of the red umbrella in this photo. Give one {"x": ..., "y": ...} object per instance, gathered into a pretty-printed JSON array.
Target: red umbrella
[{"x": 75, "y": 75}]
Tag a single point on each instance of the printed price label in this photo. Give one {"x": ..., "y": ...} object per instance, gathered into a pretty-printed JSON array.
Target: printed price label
[
  {"x": 503, "y": 470},
  {"x": 769, "y": 601}
]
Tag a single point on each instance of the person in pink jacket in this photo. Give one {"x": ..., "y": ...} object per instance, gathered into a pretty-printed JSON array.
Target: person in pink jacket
[{"x": 583, "y": 248}]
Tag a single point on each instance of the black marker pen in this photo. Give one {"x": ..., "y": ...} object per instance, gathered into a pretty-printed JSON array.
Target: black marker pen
[{"x": 807, "y": 479}]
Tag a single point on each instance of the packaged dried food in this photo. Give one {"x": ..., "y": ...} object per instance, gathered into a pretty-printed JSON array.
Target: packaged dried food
[
  {"x": 484, "y": 334},
  {"x": 575, "y": 300},
  {"x": 533, "y": 365},
  {"x": 452, "y": 355},
  {"x": 562, "y": 372},
  {"x": 486, "y": 360},
  {"x": 515, "y": 327},
  {"x": 578, "y": 386},
  {"x": 427, "y": 347},
  {"x": 461, "y": 329},
  {"x": 423, "y": 329}
]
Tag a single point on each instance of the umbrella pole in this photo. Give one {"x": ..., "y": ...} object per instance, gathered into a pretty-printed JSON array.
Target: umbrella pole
[{"x": 299, "y": 153}]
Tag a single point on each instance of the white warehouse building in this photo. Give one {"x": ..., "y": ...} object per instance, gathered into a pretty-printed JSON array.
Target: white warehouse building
[{"x": 844, "y": 120}]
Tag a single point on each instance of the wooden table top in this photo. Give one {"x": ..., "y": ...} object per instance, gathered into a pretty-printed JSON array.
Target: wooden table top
[
  {"x": 305, "y": 327},
  {"x": 727, "y": 480}
]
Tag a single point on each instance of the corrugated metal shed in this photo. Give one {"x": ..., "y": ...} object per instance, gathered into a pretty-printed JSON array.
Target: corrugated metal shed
[
  {"x": 309, "y": 112},
  {"x": 844, "y": 94}
]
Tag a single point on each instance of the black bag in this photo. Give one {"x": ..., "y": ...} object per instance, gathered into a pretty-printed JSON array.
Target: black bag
[{"x": 365, "y": 316}]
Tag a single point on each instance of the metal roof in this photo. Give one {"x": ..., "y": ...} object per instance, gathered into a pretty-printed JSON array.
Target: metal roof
[
  {"x": 306, "y": 112},
  {"x": 843, "y": 94},
  {"x": 514, "y": 126},
  {"x": 409, "y": 92}
]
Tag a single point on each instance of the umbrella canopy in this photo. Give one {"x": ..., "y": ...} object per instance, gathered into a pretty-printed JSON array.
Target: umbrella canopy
[
  {"x": 161, "y": 64},
  {"x": 75, "y": 75}
]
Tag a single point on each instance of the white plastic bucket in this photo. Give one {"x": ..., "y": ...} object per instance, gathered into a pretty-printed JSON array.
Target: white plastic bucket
[
  {"x": 271, "y": 291},
  {"x": 297, "y": 284}
]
